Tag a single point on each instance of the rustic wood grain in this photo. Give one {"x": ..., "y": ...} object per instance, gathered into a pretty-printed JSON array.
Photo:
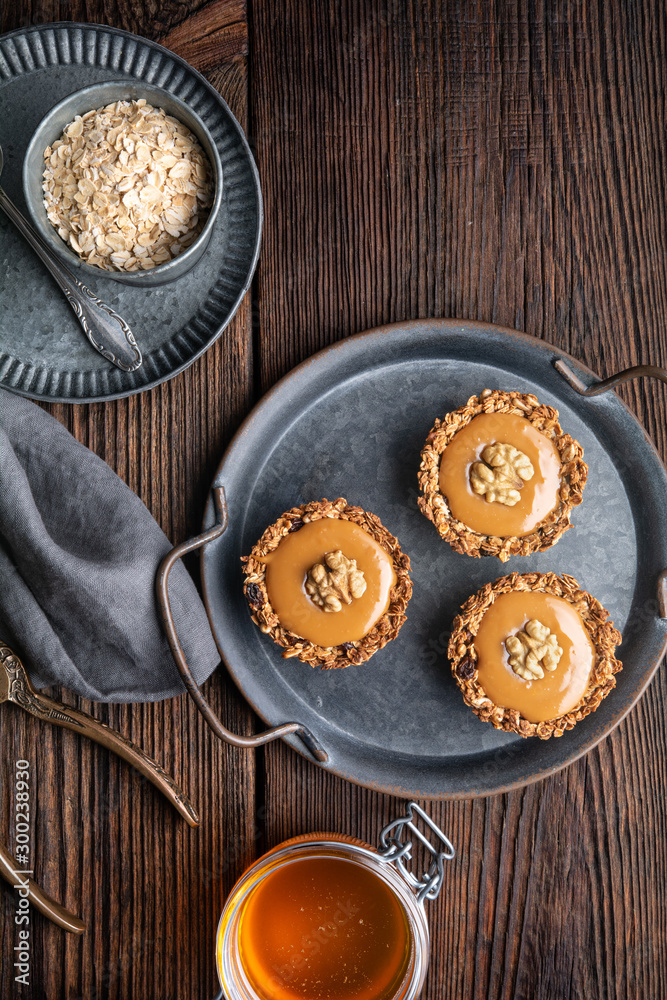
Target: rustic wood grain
[
  {"x": 504, "y": 162},
  {"x": 213, "y": 35},
  {"x": 501, "y": 161}
]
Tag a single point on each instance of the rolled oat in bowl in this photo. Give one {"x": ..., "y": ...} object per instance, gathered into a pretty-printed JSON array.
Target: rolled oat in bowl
[{"x": 127, "y": 186}]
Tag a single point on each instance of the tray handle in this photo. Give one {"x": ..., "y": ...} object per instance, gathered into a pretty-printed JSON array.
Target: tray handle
[
  {"x": 596, "y": 389},
  {"x": 162, "y": 585},
  {"x": 637, "y": 371},
  {"x": 662, "y": 594}
]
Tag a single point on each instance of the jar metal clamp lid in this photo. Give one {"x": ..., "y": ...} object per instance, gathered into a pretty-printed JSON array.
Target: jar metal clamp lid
[
  {"x": 274, "y": 961},
  {"x": 398, "y": 851}
]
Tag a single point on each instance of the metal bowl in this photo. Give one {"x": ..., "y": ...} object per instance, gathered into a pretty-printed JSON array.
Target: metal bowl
[{"x": 51, "y": 127}]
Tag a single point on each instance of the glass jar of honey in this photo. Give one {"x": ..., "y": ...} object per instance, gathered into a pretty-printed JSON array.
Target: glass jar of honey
[{"x": 327, "y": 917}]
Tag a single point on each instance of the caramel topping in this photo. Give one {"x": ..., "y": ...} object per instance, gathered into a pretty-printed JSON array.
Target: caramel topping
[
  {"x": 561, "y": 688},
  {"x": 288, "y": 567},
  {"x": 477, "y": 441}
]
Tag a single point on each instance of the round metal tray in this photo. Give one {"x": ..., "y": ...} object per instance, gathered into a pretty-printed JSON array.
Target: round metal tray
[
  {"x": 351, "y": 422},
  {"x": 43, "y": 352}
]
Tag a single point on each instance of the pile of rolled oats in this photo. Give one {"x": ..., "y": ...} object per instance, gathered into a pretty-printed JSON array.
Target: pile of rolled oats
[{"x": 127, "y": 186}]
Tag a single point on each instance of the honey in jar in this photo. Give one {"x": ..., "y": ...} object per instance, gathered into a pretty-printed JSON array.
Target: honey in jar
[
  {"x": 323, "y": 929},
  {"x": 326, "y": 917}
]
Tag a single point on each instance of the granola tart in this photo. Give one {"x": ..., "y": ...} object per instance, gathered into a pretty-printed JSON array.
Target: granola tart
[
  {"x": 567, "y": 492},
  {"x": 468, "y": 665},
  {"x": 312, "y": 586}
]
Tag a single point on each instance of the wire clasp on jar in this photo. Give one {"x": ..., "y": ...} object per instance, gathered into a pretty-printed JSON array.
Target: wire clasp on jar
[{"x": 396, "y": 850}]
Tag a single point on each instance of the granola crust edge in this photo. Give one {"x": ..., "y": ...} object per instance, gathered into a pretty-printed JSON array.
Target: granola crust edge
[
  {"x": 387, "y": 626},
  {"x": 463, "y": 656},
  {"x": 463, "y": 539}
]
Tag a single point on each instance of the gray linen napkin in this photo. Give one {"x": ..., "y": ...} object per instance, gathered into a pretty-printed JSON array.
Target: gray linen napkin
[{"x": 78, "y": 557}]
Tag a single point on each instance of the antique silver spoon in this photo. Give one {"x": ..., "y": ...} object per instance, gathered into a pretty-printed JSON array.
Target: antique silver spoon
[{"x": 105, "y": 329}]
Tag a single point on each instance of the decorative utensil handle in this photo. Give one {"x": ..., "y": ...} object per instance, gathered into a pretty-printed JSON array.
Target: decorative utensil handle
[
  {"x": 105, "y": 329},
  {"x": 80, "y": 722},
  {"x": 200, "y": 701},
  {"x": 22, "y": 693},
  {"x": 10, "y": 870}
]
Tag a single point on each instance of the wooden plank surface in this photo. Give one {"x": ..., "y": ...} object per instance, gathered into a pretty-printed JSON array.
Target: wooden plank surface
[{"x": 500, "y": 161}]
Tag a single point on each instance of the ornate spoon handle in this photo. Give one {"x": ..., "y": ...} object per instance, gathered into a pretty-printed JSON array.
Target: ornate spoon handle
[
  {"x": 11, "y": 872},
  {"x": 15, "y": 686},
  {"x": 105, "y": 329},
  {"x": 99, "y": 732}
]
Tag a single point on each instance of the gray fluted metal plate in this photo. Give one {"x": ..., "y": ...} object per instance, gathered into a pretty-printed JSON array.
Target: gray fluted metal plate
[
  {"x": 43, "y": 353},
  {"x": 351, "y": 422}
]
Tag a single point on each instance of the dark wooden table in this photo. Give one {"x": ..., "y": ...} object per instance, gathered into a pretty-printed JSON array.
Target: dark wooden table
[{"x": 501, "y": 161}]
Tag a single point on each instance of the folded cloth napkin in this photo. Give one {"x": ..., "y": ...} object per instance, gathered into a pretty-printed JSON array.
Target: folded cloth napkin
[{"x": 78, "y": 557}]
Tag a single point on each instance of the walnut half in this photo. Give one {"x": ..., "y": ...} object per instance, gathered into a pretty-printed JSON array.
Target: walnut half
[
  {"x": 336, "y": 582},
  {"x": 501, "y": 474},
  {"x": 531, "y": 650}
]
